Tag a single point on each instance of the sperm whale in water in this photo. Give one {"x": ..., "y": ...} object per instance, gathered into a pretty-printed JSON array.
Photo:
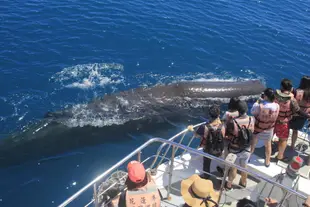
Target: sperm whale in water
[{"x": 117, "y": 115}]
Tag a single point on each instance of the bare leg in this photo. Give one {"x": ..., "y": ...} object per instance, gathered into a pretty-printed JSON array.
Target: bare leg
[
  {"x": 281, "y": 145},
  {"x": 254, "y": 143},
  {"x": 244, "y": 176},
  {"x": 294, "y": 138},
  {"x": 232, "y": 175},
  {"x": 267, "y": 152}
]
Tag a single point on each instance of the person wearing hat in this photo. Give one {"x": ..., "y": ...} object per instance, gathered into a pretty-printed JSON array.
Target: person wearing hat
[
  {"x": 198, "y": 192},
  {"x": 288, "y": 107},
  {"x": 212, "y": 137},
  {"x": 141, "y": 189},
  {"x": 234, "y": 133}
]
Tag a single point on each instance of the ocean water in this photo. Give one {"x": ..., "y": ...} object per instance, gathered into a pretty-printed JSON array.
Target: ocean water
[{"x": 55, "y": 54}]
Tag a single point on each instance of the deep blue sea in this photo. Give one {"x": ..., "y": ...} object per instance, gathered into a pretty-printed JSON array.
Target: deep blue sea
[{"x": 54, "y": 54}]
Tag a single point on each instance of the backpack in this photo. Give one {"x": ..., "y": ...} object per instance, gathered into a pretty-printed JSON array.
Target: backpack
[
  {"x": 243, "y": 140},
  {"x": 214, "y": 142}
]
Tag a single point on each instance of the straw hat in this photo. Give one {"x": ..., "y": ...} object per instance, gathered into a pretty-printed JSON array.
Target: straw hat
[{"x": 195, "y": 189}]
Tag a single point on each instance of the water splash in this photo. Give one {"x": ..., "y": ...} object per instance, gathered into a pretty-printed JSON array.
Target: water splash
[{"x": 90, "y": 75}]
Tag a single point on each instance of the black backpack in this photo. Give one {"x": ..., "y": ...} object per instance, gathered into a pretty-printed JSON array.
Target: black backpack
[
  {"x": 214, "y": 142},
  {"x": 243, "y": 140}
]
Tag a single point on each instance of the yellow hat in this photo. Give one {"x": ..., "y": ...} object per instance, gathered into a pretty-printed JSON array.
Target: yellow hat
[{"x": 197, "y": 192}]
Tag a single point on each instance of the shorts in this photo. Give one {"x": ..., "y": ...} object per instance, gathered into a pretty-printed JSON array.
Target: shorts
[
  {"x": 282, "y": 130},
  {"x": 297, "y": 123},
  {"x": 243, "y": 158},
  {"x": 265, "y": 135}
]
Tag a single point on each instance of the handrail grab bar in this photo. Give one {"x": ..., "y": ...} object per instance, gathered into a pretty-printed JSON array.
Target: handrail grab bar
[
  {"x": 190, "y": 150},
  {"x": 171, "y": 139}
]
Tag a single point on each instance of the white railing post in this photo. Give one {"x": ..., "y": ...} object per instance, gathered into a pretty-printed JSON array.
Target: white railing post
[
  {"x": 139, "y": 156},
  {"x": 95, "y": 195},
  {"x": 170, "y": 172}
]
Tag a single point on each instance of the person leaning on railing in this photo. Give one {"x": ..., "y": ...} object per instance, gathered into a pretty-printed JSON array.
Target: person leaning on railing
[
  {"x": 212, "y": 138},
  {"x": 141, "y": 188}
]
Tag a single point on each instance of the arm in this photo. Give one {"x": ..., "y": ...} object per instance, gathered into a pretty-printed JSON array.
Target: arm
[
  {"x": 271, "y": 202},
  {"x": 303, "y": 114},
  {"x": 296, "y": 109},
  {"x": 255, "y": 109}
]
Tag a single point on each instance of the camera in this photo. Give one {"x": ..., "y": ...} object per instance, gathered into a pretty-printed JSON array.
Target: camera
[{"x": 262, "y": 96}]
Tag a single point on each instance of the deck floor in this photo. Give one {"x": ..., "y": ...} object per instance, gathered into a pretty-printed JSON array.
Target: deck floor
[{"x": 188, "y": 164}]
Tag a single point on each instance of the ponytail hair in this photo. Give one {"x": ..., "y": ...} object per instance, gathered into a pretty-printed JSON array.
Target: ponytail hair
[
  {"x": 305, "y": 86},
  {"x": 269, "y": 93}
]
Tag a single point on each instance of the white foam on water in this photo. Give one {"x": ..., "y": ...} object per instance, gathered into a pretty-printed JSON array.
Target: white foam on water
[
  {"x": 150, "y": 79},
  {"x": 106, "y": 115},
  {"x": 85, "y": 76},
  {"x": 93, "y": 75}
]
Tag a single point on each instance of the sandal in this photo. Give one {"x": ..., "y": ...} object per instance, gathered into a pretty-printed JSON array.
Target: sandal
[
  {"x": 240, "y": 184},
  {"x": 226, "y": 187}
]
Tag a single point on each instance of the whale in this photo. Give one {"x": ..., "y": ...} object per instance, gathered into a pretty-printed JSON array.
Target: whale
[{"x": 119, "y": 114}]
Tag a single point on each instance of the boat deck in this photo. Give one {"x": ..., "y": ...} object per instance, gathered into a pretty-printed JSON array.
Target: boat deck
[
  {"x": 168, "y": 177},
  {"x": 187, "y": 164}
]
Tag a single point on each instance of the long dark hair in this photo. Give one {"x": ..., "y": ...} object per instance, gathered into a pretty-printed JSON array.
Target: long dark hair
[
  {"x": 305, "y": 86},
  {"x": 269, "y": 93},
  {"x": 233, "y": 104}
]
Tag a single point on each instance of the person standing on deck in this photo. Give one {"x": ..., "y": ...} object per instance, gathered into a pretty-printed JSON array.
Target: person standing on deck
[
  {"x": 240, "y": 130},
  {"x": 302, "y": 95},
  {"x": 266, "y": 112},
  {"x": 212, "y": 135},
  {"x": 232, "y": 111},
  {"x": 288, "y": 107}
]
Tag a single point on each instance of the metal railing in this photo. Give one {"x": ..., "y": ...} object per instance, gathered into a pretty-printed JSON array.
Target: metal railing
[
  {"x": 183, "y": 134},
  {"x": 172, "y": 160}
]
